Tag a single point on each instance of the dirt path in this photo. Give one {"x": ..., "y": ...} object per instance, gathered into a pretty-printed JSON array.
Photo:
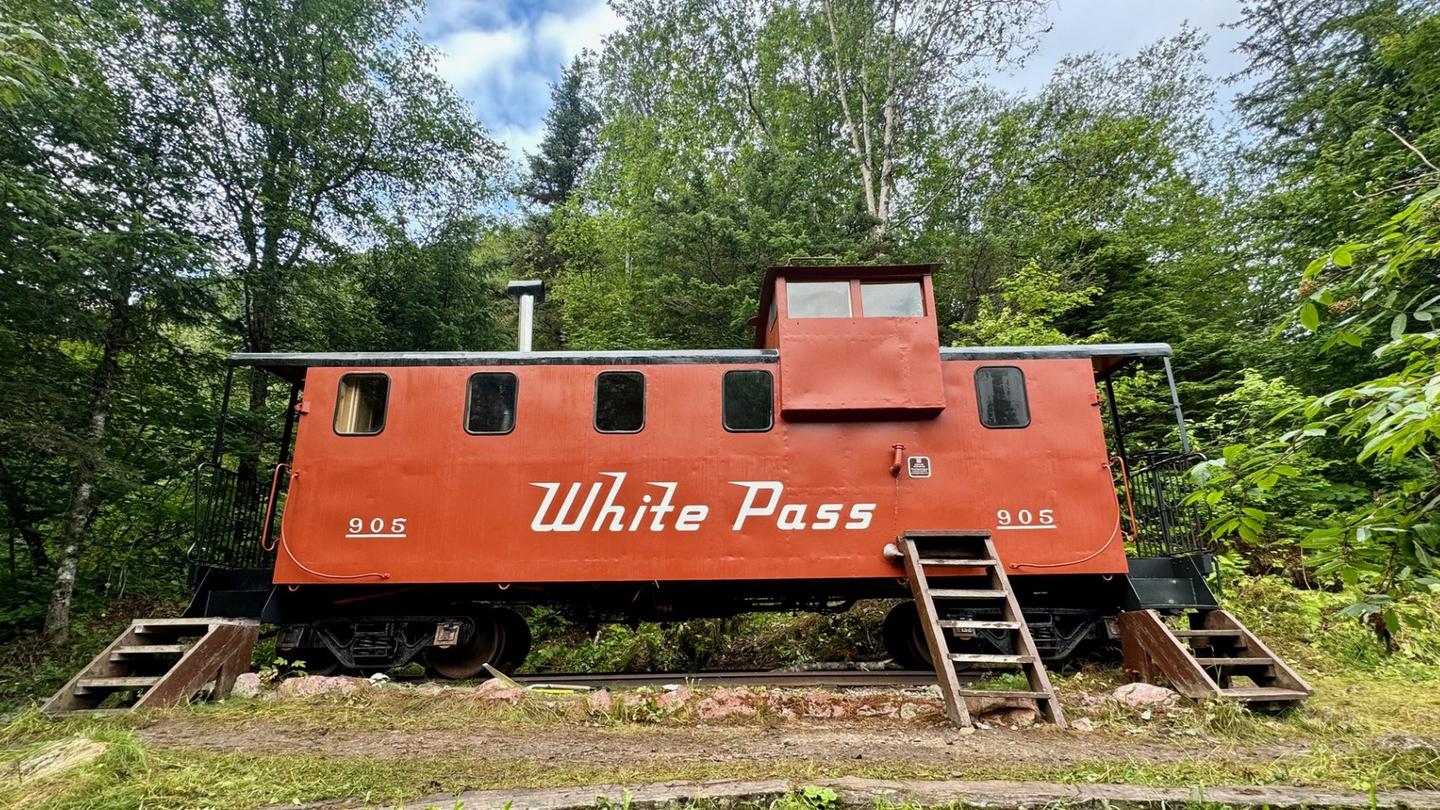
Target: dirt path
[{"x": 831, "y": 741}]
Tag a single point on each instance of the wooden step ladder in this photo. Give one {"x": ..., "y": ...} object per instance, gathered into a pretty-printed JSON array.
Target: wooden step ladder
[
  {"x": 160, "y": 662},
  {"x": 944, "y": 553},
  {"x": 1206, "y": 660}
]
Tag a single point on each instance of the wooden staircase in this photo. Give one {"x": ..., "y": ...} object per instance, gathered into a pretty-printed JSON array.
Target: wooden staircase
[
  {"x": 928, "y": 554},
  {"x": 1209, "y": 660},
  {"x": 160, "y": 662}
]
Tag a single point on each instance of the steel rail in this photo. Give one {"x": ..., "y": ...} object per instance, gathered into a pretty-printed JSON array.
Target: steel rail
[{"x": 817, "y": 678}]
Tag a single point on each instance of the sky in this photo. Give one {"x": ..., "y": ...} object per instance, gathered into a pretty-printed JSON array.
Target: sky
[{"x": 502, "y": 54}]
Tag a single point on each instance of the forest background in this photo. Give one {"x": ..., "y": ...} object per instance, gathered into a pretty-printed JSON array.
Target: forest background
[{"x": 181, "y": 179}]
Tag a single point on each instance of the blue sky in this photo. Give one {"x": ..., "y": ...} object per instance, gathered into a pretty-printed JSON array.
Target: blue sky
[{"x": 501, "y": 55}]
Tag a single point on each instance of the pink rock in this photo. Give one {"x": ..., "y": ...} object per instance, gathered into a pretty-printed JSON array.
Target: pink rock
[
  {"x": 513, "y": 694},
  {"x": 1140, "y": 695},
  {"x": 724, "y": 703},
  {"x": 822, "y": 705},
  {"x": 1084, "y": 724},
  {"x": 321, "y": 685},
  {"x": 246, "y": 686},
  {"x": 674, "y": 699},
  {"x": 599, "y": 701}
]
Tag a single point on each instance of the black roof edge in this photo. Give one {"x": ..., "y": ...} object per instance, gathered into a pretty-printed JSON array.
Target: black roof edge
[
  {"x": 599, "y": 358},
  {"x": 298, "y": 360}
]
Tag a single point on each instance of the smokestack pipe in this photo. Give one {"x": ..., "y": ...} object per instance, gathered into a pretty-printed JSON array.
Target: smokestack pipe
[{"x": 527, "y": 294}]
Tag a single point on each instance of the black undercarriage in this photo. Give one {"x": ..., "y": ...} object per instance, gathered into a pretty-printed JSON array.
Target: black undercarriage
[{"x": 456, "y": 629}]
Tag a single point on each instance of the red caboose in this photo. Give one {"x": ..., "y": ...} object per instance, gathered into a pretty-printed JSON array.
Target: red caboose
[{"x": 415, "y": 496}]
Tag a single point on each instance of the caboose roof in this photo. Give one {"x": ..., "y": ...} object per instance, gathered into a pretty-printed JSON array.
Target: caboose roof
[{"x": 1106, "y": 357}]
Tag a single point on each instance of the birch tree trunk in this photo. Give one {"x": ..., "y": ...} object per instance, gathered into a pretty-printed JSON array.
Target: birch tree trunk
[{"x": 87, "y": 469}]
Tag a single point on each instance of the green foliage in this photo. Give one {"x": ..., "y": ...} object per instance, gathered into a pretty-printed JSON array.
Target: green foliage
[
  {"x": 1033, "y": 301},
  {"x": 1386, "y": 547}
]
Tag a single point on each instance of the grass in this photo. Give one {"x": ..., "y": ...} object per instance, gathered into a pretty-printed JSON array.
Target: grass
[
  {"x": 130, "y": 775},
  {"x": 1371, "y": 725}
]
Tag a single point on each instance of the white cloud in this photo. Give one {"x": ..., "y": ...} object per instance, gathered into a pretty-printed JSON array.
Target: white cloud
[
  {"x": 469, "y": 56},
  {"x": 502, "y": 58},
  {"x": 570, "y": 34}
]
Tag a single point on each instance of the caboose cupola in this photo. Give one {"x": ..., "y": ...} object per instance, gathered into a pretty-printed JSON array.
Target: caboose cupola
[{"x": 855, "y": 342}]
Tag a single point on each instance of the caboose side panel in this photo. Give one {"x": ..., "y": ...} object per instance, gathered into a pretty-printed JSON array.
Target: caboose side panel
[{"x": 555, "y": 500}]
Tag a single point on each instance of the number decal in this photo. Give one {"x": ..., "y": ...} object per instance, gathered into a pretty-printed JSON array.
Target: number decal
[
  {"x": 376, "y": 528},
  {"x": 1022, "y": 519}
]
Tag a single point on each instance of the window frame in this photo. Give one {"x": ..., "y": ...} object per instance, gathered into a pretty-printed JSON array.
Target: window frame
[
  {"x": 340, "y": 387},
  {"x": 724, "y": 424},
  {"x": 861, "y": 284},
  {"x": 1024, "y": 393},
  {"x": 470, "y": 393},
  {"x": 851, "y": 305},
  {"x": 644, "y": 403}
]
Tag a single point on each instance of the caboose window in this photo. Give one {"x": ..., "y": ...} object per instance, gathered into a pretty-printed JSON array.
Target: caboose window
[
  {"x": 1000, "y": 393},
  {"x": 491, "y": 404},
  {"x": 818, "y": 299},
  {"x": 360, "y": 407},
  {"x": 892, "y": 299},
  {"x": 748, "y": 401},
  {"x": 620, "y": 402}
]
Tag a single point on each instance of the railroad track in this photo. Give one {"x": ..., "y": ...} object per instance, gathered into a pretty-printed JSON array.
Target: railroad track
[{"x": 830, "y": 679}]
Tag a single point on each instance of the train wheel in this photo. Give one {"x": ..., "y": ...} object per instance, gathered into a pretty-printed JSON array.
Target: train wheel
[
  {"x": 468, "y": 660},
  {"x": 904, "y": 639},
  {"x": 516, "y": 646}
]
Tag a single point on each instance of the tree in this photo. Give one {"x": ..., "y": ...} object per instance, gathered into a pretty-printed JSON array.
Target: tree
[
  {"x": 897, "y": 66},
  {"x": 318, "y": 122},
  {"x": 1384, "y": 290},
  {"x": 570, "y": 129},
  {"x": 94, "y": 187}
]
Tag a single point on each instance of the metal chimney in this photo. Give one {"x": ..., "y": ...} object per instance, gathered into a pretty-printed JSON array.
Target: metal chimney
[{"x": 527, "y": 293}]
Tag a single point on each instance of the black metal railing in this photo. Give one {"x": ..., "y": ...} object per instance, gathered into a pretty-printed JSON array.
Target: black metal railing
[
  {"x": 1164, "y": 524},
  {"x": 230, "y": 517}
]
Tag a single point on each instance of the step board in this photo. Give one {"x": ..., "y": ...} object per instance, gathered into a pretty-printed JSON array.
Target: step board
[
  {"x": 986, "y": 658},
  {"x": 942, "y": 553},
  {"x": 1263, "y": 693},
  {"x": 1235, "y": 662},
  {"x": 219, "y": 651},
  {"x": 975, "y": 624},
  {"x": 123, "y": 682},
  {"x": 966, "y": 593},
  {"x": 149, "y": 649},
  {"x": 1151, "y": 650}
]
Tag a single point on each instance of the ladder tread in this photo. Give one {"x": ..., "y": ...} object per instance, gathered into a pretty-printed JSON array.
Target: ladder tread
[
  {"x": 1207, "y": 633},
  {"x": 1264, "y": 693},
  {"x": 119, "y": 682},
  {"x": 1006, "y": 694},
  {"x": 1249, "y": 661},
  {"x": 966, "y": 593},
  {"x": 151, "y": 649},
  {"x": 990, "y": 658},
  {"x": 956, "y": 562},
  {"x": 976, "y": 624}
]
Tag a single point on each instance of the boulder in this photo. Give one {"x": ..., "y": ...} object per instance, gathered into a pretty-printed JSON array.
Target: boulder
[
  {"x": 246, "y": 686},
  {"x": 1140, "y": 695},
  {"x": 321, "y": 685},
  {"x": 723, "y": 703},
  {"x": 674, "y": 699},
  {"x": 599, "y": 701}
]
